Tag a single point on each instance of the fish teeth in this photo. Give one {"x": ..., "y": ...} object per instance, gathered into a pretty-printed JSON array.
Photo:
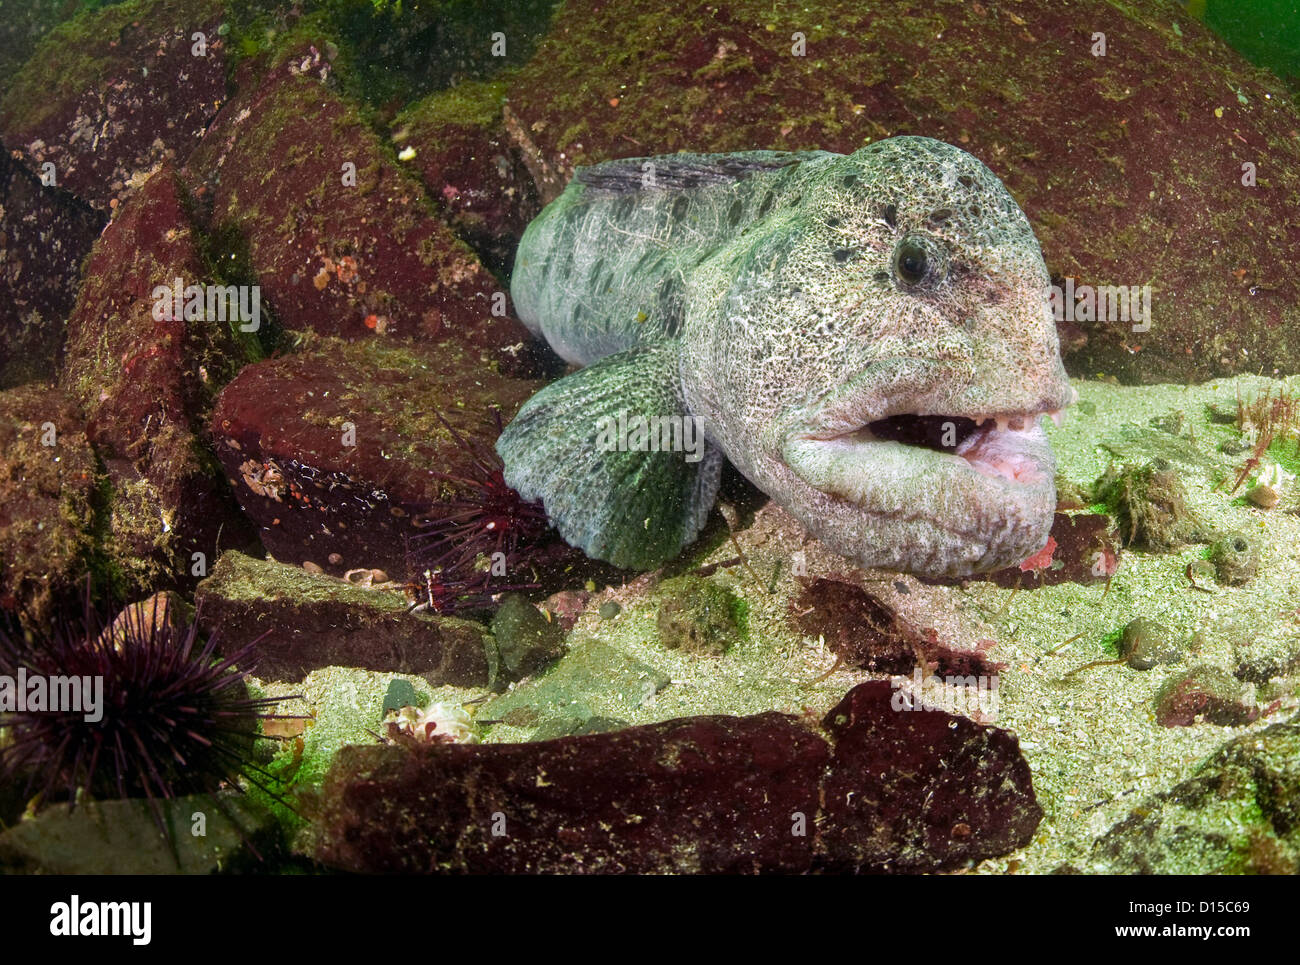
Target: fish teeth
[{"x": 1018, "y": 422}]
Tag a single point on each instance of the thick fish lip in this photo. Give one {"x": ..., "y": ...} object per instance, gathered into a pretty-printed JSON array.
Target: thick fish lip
[
  {"x": 915, "y": 387},
  {"x": 865, "y": 442},
  {"x": 1008, "y": 462}
]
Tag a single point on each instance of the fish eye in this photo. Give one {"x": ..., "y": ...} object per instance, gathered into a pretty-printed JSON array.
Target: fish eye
[
  {"x": 916, "y": 264},
  {"x": 911, "y": 262}
]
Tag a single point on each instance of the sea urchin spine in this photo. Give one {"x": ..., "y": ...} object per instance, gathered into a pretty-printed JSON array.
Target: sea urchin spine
[
  {"x": 483, "y": 517},
  {"x": 175, "y": 719}
]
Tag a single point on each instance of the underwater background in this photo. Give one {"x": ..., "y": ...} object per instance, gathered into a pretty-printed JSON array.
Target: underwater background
[{"x": 276, "y": 526}]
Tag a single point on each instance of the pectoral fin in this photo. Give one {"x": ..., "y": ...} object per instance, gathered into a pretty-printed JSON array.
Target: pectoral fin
[{"x": 569, "y": 448}]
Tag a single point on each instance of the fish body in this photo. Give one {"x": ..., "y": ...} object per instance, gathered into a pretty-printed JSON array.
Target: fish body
[{"x": 866, "y": 337}]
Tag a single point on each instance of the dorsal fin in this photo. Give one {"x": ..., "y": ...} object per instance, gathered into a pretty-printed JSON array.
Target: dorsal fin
[{"x": 679, "y": 172}]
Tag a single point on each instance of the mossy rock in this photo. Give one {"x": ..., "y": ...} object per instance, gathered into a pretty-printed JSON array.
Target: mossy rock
[
  {"x": 1150, "y": 504},
  {"x": 699, "y": 616},
  {"x": 48, "y": 480},
  {"x": 1239, "y": 813},
  {"x": 526, "y": 640},
  {"x": 341, "y": 239},
  {"x": 472, "y": 171},
  {"x": 298, "y": 621},
  {"x": 147, "y": 385},
  {"x": 111, "y": 94}
]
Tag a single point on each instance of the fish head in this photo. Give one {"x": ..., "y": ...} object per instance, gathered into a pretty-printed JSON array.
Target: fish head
[{"x": 877, "y": 355}]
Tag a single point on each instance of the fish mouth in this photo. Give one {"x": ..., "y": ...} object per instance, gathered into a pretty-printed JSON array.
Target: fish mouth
[
  {"x": 973, "y": 490},
  {"x": 1002, "y": 447},
  {"x": 1008, "y": 450}
]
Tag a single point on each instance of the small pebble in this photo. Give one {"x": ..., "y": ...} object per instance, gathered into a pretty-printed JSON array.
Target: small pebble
[
  {"x": 1146, "y": 643},
  {"x": 1235, "y": 557}
]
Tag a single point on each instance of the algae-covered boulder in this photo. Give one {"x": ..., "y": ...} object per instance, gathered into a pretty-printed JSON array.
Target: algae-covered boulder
[
  {"x": 340, "y": 452},
  {"x": 47, "y": 490},
  {"x": 342, "y": 240},
  {"x": 108, "y": 96},
  {"x": 709, "y": 793},
  {"x": 1239, "y": 813},
  {"x": 465, "y": 159},
  {"x": 145, "y": 375},
  {"x": 1165, "y": 159},
  {"x": 300, "y": 621}
]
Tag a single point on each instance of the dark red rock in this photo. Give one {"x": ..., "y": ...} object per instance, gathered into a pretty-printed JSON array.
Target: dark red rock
[
  {"x": 1203, "y": 694},
  {"x": 861, "y": 630},
  {"x": 919, "y": 791},
  {"x": 145, "y": 385},
  {"x": 865, "y": 633},
  {"x": 1131, "y": 172},
  {"x": 46, "y": 502},
  {"x": 472, "y": 170},
  {"x": 298, "y": 622},
  {"x": 111, "y": 95},
  {"x": 45, "y": 233},
  {"x": 370, "y": 260},
  {"x": 280, "y": 432},
  {"x": 702, "y": 794}
]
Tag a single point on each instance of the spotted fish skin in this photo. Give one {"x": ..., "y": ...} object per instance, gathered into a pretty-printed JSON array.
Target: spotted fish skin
[
  {"x": 608, "y": 264},
  {"x": 866, "y": 337}
]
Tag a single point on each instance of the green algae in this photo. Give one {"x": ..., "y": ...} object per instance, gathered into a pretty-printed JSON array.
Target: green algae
[
  {"x": 474, "y": 104},
  {"x": 78, "y": 55}
]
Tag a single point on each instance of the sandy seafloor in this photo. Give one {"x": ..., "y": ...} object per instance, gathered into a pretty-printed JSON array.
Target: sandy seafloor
[{"x": 1091, "y": 739}]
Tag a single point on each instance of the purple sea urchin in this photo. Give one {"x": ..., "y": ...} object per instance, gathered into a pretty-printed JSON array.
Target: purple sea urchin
[
  {"x": 484, "y": 516},
  {"x": 174, "y": 719}
]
